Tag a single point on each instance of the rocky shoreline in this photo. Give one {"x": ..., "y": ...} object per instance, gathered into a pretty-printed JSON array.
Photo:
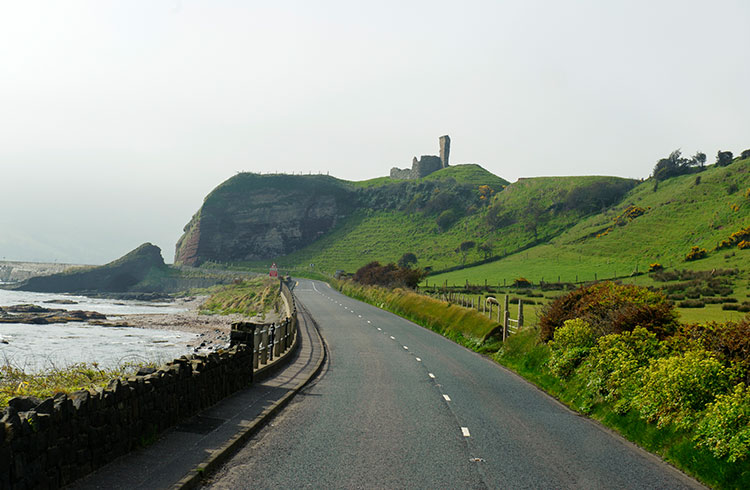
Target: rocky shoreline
[{"x": 212, "y": 330}]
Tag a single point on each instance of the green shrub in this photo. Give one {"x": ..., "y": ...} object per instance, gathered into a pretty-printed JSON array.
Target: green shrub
[
  {"x": 729, "y": 342},
  {"x": 611, "y": 308},
  {"x": 696, "y": 253},
  {"x": 725, "y": 428},
  {"x": 676, "y": 388},
  {"x": 692, "y": 303},
  {"x": 571, "y": 345},
  {"x": 613, "y": 366}
]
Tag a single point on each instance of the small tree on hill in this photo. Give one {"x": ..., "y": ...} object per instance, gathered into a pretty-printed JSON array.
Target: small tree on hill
[
  {"x": 407, "y": 260},
  {"x": 723, "y": 158},
  {"x": 486, "y": 249},
  {"x": 699, "y": 158},
  {"x": 465, "y": 247}
]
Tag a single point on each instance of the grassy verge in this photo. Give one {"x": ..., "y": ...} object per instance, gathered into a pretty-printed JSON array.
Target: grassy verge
[
  {"x": 464, "y": 326},
  {"x": 527, "y": 356},
  {"x": 257, "y": 296},
  {"x": 15, "y": 382}
]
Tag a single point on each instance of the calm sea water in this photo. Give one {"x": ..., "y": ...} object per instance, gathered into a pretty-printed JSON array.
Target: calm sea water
[{"x": 38, "y": 347}]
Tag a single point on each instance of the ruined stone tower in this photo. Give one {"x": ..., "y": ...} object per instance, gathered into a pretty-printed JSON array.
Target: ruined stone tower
[
  {"x": 427, "y": 164},
  {"x": 445, "y": 149}
]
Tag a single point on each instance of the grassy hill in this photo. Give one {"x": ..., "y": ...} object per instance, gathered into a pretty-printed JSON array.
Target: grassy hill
[
  {"x": 682, "y": 213},
  {"x": 508, "y": 218}
]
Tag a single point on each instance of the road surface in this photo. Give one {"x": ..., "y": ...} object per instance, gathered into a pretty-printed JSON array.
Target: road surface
[{"x": 398, "y": 406}]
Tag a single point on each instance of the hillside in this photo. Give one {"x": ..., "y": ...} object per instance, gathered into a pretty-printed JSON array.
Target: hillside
[
  {"x": 251, "y": 217},
  {"x": 682, "y": 213}
]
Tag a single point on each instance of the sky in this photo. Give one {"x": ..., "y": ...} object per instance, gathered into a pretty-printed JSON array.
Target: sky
[{"x": 118, "y": 117}]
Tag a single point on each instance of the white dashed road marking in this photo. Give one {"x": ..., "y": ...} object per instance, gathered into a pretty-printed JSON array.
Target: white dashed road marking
[
  {"x": 447, "y": 398},
  {"x": 393, "y": 338},
  {"x": 431, "y": 375},
  {"x": 380, "y": 329},
  {"x": 406, "y": 348},
  {"x": 465, "y": 431},
  {"x": 418, "y": 359}
]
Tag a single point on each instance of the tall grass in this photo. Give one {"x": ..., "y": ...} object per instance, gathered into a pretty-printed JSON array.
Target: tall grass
[
  {"x": 14, "y": 381},
  {"x": 257, "y": 296},
  {"x": 463, "y": 325}
]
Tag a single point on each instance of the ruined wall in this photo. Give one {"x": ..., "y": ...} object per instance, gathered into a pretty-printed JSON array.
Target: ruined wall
[
  {"x": 445, "y": 150},
  {"x": 427, "y": 164}
]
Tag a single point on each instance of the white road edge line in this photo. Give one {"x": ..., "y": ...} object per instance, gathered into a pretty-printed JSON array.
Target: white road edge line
[
  {"x": 465, "y": 431},
  {"x": 447, "y": 398}
]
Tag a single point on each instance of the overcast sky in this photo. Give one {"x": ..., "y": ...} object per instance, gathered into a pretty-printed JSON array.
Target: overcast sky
[{"x": 117, "y": 118}]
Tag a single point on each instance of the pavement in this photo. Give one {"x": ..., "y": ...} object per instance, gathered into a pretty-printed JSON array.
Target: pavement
[{"x": 183, "y": 454}]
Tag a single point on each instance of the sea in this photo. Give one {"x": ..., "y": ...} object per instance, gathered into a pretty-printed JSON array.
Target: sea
[{"x": 38, "y": 348}]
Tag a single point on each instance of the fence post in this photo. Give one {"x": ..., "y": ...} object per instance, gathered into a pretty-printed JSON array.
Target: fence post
[
  {"x": 520, "y": 313},
  {"x": 277, "y": 332},
  {"x": 256, "y": 348},
  {"x": 264, "y": 344},
  {"x": 506, "y": 322}
]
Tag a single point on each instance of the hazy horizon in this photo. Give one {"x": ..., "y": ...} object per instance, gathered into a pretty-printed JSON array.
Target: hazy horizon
[{"x": 119, "y": 118}]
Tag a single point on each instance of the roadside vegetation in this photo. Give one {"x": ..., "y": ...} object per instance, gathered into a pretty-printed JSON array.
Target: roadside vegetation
[
  {"x": 15, "y": 382},
  {"x": 252, "y": 297}
]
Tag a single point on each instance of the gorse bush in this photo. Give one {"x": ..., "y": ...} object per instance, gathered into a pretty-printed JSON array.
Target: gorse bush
[
  {"x": 676, "y": 388},
  {"x": 735, "y": 238},
  {"x": 612, "y": 367},
  {"x": 611, "y": 308},
  {"x": 572, "y": 343},
  {"x": 725, "y": 428},
  {"x": 696, "y": 253}
]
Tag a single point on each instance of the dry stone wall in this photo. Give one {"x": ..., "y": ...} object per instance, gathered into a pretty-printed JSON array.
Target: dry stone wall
[{"x": 50, "y": 443}]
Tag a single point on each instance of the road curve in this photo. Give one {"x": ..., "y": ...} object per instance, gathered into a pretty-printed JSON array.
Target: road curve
[{"x": 399, "y": 406}]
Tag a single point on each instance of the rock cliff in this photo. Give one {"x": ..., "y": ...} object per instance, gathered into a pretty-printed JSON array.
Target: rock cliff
[{"x": 257, "y": 217}]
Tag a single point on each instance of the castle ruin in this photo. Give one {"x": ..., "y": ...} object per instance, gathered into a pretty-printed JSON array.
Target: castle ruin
[{"x": 426, "y": 164}]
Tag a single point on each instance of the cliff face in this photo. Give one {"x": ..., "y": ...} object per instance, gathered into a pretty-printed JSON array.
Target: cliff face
[{"x": 257, "y": 217}]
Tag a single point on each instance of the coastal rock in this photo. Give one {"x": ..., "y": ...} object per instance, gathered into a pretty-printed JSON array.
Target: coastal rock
[
  {"x": 117, "y": 276},
  {"x": 257, "y": 217}
]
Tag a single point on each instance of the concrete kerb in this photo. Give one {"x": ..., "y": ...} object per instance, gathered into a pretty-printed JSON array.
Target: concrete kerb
[{"x": 220, "y": 456}]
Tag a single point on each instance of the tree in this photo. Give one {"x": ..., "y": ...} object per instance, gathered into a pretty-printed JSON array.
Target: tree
[
  {"x": 465, "y": 247},
  {"x": 407, "y": 260},
  {"x": 532, "y": 216},
  {"x": 699, "y": 158},
  {"x": 486, "y": 249},
  {"x": 723, "y": 158}
]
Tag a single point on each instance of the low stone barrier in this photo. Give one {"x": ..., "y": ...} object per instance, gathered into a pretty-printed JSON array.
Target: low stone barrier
[{"x": 50, "y": 443}]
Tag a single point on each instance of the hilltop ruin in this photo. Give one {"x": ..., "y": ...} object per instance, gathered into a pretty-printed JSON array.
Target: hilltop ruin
[{"x": 427, "y": 164}]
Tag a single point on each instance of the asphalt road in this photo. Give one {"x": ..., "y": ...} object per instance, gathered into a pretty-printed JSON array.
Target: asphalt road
[{"x": 398, "y": 406}]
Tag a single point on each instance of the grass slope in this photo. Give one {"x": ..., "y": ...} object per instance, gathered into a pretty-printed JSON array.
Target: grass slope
[
  {"x": 385, "y": 236},
  {"x": 679, "y": 215}
]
